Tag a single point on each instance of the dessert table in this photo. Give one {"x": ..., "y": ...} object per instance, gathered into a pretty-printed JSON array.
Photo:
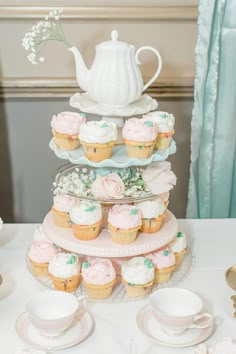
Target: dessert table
[{"x": 213, "y": 245}]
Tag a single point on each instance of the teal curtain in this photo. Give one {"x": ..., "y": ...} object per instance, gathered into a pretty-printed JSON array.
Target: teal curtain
[{"x": 212, "y": 185}]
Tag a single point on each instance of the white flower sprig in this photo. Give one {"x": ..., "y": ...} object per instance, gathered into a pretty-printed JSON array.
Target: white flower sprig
[{"x": 48, "y": 30}]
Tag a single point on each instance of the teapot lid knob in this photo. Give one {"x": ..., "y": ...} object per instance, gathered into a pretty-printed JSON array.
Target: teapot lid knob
[{"x": 114, "y": 35}]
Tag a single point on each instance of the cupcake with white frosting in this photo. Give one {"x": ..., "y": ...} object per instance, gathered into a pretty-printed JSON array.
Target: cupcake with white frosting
[
  {"x": 65, "y": 129},
  {"x": 98, "y": 139},
  {"x": 86, "y": 219},
  {"x": 39, "y": 234},
  {"x": 64, "y": 269},
  {"x": 138, "y": 275},
  {"x": 153, "y": 214},
  {"x": 62, "y": 204},
  {"x": 99, "y": 277},
  {"x": 165, "y": 122},
  {"x": 179, "y": 247}
]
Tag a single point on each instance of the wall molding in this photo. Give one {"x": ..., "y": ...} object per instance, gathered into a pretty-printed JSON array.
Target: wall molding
[
  {"x": 171, "y": 87},
  {"x": 135, "y": 12}
]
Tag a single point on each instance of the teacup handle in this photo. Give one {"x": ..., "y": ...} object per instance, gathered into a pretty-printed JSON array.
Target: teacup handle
[
  {"x": 159, "y": 62},
  {"x": 198, "y": 317},
  {"x": 82, "y": 299}
]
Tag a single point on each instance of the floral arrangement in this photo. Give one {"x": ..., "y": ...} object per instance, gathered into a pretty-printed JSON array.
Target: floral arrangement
[{"x": 48, "y": 30}]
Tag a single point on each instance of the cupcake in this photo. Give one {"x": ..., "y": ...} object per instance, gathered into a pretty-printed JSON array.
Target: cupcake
[
  {"x": 152, "y": 215},
  {"x": 164, "y": 263},
  {"x": 98, "y": 139},
  {"x": 64, "y": 269},
  {"x": 139, "y": 136},
  {"x": 65, "y": 129},
  {"x": 62, "y": 204},
  {"x": 86, "y": 220},
  {"x": 165, "y": 198},
  {"x": 99, "y": 277},
  {"x": 165, "y": 122},
  {"x": 179, "y": 247},
  {"x": 40, "y": 254},
  {"x": 124, "y": 221},
  {"x": 137, "y": 275}
]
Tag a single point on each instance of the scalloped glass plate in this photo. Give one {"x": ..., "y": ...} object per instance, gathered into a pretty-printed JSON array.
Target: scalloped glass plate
[
  {"x": 119, "y": 293},
  {"x": 84, "y": 103},
  {"x": 119, "y": 157},
  {"x": 68, "y": 178}
]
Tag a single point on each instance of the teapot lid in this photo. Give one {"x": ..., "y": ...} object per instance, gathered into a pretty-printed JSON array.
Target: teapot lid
[{"x": 114, "y": 43}]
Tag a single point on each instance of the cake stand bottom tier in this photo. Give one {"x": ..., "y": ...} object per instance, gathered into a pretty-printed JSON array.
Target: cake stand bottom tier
[
  {"x": 103, "y": 246},
  {"x": 119, "y": 293}
]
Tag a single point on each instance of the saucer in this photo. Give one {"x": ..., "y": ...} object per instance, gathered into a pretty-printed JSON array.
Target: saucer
[
  {"x": 84, "y": 103},
  {"x": 77, "y": 332},
  {"x": 150, "y": 327}
]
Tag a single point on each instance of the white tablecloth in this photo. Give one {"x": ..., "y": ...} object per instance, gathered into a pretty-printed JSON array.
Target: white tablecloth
[{"x": 214, "y": 250}]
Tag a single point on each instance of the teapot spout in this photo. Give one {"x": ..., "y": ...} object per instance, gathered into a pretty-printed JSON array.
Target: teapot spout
[{"x": 82, "y": 72}]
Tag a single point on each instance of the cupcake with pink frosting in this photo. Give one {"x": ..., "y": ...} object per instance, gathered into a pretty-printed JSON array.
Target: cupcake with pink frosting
[
  {"x": 153, "y": 214},
  {"x": 62, "y": 204},
  {"x": 66, "y": 128},
  {"x": 139, "y": 136},
  {"x": 164, "y": 263},
  {"x": 40, "y": 254},
  {"x": 99, "y": 277},
  {"x": 124, "y": 221}
]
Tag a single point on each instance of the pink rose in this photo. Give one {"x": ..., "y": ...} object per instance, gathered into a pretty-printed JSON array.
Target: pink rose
[{"x": 109, "y": 186}]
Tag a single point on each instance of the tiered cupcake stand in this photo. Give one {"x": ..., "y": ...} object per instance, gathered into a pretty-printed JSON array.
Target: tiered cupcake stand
[{"x": 103, "y": 246}]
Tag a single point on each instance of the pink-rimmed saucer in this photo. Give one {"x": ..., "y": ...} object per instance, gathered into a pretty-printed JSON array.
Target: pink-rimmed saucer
[
  {"x": 78, "y": 331},
  {"x": 150, "y": 327}
]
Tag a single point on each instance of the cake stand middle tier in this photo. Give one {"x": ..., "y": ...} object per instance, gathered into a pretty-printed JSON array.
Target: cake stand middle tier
[{"x": 103, "y": 246}]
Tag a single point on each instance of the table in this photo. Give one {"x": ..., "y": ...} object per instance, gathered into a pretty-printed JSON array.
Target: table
[{"x": 213, "y": 244}]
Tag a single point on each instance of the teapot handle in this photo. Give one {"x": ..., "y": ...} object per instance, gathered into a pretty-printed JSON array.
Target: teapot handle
[{"x": 159, "y": 62}]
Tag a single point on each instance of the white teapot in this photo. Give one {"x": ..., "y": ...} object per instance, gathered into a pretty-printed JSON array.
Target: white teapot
[{"x": 114, "y": 78}]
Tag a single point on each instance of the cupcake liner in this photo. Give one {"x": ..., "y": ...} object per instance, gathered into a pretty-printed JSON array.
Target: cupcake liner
[
  {"x": 99, "y": 291},
  {"x": 65, "y": 141},
  {"x": 61, "y": 218},
  {"x": 163, "y": 140},
  {"x": 98, "y": 152},
  {"x": 179, "y": 257},
  {"x": 137, "y": 290},
  {"x": 66, "y": 284},
  {"x": 39, "y": 269},
  {"x": 123, "y": 236},
  {"x": 86, "y": 232},
  {"x": 150, "y": 226},
  {"x": 138, "y": 149},
  {"x": 163, "y": 275}
]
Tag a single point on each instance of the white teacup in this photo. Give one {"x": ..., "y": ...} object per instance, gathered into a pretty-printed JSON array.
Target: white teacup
[
  {"x": 179, "y": 309},
  {"x": 52, "y": 312}
]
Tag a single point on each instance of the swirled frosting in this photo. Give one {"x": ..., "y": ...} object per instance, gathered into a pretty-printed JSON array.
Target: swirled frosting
[
  {"x": 39, "y": 234},
  {"x": 124, "y": 216},
  {"x": 67, "y": 122},
  {"x": 98, "y": 271},
  {"x": 64, "y": 202},
  {"x": 151, "y": 209},
  {"x": 159, "y": 178},
  {"x": 109, "y": 186},
  {"x": 64, "y": 265},
  {"x": 42, "y": 251},
  {"x": 98, "y": 132},
  {"x": 86, "y": 213},
  {"x": 179, "y": 243},
  {"x": 163, "y": 258},
  {"x": 137, "y": 271},
  {"x": 165, "y": 121},
  {"x": 136, "y": 129}
]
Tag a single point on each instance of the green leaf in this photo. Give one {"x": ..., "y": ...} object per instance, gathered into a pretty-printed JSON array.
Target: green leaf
[
  {"x": 180, "y": 234},
  {"x": 71, "y": 260},
  {"x": 166, "y": 252},
  {"x": 90, "y": 209},
  {"x": 148, "y": 123},
  {"x": 55, "y": 246},
  {"x": 134, "y": 212},
  {"x": 164, "y": 115},
  {"x": 104, "y": 125},
  {"x": 131, "y": 284},
  {"x": 82, "y": 114},
  {"x": 85, "y": 264},
  {"x": 140, "y": 147},
  {"x": 148, "y": 263}
]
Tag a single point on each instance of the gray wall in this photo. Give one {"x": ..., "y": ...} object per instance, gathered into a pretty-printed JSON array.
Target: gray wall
[{"x": 27, "y": 164}]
